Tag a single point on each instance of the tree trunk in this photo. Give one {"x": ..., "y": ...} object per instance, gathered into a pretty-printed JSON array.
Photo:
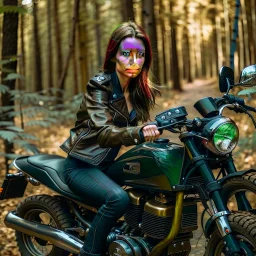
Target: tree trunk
[
  {"x": 162, "y": 25},
  {"x": 234, "y": 35},
  {"x": 57, "y": 39},
  {"x": 227, "y": 31},
  {"x": 241, "y": 47},
  {"x": 22, "y": 64},
  {"x": 175, "y": 62},
  {"x": 215, "y": 38},
  {"x": 9, "y": 50},
  {"x": 252, "y": 31},
  {"x": 98, "y": 34},
  {"x": 83, "y": 52},
  {"x": 174, "y": 53},
  {"x": 49, "y": 48},
  {"x": 149, "y": 22},
  {"x": 37, "y": 51},
  {"x": 187, "y": 51},
  {"x": 75, "y": 72},
  {"x": 246, "y": 34},
  {"x": 71, "y": 48},
  {"x": 127, "y": 10}
]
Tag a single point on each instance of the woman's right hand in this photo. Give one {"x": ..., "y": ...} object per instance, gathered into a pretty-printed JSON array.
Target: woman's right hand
[{"x": 150, "y": 132}]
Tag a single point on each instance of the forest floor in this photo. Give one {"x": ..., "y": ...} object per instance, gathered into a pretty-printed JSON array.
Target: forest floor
[{"x": 51, "y": 138}]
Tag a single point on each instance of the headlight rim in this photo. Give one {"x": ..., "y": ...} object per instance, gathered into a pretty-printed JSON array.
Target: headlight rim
[{"x": 210, "y": 129}]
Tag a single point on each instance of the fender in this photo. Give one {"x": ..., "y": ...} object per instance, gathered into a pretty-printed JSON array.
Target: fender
[
  {"x": 210, "y": 224},
  {"x": 235, "y": 174}
]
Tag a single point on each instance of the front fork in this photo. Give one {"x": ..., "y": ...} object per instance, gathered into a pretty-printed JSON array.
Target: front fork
[{"x": 220, "y": 211}]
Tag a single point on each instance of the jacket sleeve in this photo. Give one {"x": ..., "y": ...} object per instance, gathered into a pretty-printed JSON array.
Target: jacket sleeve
[{"x": 109, "y": 135}]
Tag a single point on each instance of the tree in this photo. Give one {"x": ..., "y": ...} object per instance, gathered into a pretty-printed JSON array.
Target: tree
[
  {"x": 37, "y": 50},
  {"x": 57, "y": 39},
  {"x": 49, "y": 45},
  {"x": 174, "y": 53},
  {"x": 82, "y": 40},
  {"x": 9, "y": 51},
  {"x": 98, "y": 34},
  {"x": 149, "y": 24},
  {"x": 127, "y": 10},
  {"x": 71, "y": 47}
]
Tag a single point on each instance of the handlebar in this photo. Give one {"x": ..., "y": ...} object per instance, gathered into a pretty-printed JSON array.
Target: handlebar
[
  {"x": 176, "y": 117},
  {"x": 233, "y": 99}
]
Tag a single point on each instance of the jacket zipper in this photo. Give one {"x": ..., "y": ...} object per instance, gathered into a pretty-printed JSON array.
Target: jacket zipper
[{"x": 120, "y": 113}]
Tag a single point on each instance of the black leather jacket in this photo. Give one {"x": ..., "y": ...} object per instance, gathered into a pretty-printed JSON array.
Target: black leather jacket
[{"x": 103, "y": 123}]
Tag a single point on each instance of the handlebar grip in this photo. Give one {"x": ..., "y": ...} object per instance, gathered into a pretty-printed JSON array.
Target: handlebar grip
[
  {"x": 233, "y": 99},
  {"x": 250, "y": 108}
]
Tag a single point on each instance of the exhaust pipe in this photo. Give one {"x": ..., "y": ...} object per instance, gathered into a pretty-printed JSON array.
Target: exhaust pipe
[{"x": 56, "y": 237}]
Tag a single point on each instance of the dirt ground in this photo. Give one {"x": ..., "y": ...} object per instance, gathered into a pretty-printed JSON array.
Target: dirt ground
[{"x": 192, "y": 93}]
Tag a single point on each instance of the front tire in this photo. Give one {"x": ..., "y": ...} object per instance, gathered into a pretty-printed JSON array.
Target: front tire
[
  {"x": 243, "y": 226},
  {"x": 246, "y": 185},
  {"x": 46, "y": 210}
]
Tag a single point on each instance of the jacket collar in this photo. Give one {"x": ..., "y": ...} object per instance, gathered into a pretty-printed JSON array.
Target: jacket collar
[{"x": 117, "y": 89}]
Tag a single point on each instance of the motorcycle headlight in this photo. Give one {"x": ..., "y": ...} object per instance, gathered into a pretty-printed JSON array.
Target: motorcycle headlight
[{"x": 222, "y": 134}]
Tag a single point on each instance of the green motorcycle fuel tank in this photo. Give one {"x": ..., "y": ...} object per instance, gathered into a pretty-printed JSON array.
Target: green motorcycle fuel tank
[{"x": 151, "y": 165}]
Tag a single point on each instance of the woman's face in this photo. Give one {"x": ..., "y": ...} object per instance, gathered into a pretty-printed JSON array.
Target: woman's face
[{"x": 130, "y": 57}]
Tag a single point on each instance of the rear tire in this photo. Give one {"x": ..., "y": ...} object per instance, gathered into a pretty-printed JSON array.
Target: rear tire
[
  {"x": 46, "y": 210},
  {"x": 243, "y": 225},
  {"x": 245, "y": 184}
]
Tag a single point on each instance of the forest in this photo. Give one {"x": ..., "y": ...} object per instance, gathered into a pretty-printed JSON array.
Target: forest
[{"x": 51, "y": 48}]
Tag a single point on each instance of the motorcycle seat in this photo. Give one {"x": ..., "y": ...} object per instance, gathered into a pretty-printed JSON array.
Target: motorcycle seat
[{"x": 48, "y": 170}]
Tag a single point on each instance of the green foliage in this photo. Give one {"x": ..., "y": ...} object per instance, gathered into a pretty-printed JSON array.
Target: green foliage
[
  {"x": 3, "y": 88},
  {"x": 11, "y": 8},
  {"x": 3, "y": 62},
  {"x": 32, "y": 109},
  {"x": 14, "y": 76},
  {"x": 248, "y": 91}
]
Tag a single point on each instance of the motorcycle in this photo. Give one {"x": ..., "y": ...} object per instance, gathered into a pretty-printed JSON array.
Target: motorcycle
[{"x": 165, "y": 182}]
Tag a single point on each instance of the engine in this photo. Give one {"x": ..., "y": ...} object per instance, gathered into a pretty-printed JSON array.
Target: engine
[{"x": 152, "y": 218}]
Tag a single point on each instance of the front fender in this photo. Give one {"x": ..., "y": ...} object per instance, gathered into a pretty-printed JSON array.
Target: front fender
[
  {"x": 235, "y": 174},
  {"x": 210, "y": 224}
]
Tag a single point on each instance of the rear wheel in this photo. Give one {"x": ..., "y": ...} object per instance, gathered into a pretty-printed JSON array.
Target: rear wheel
[
  {"x": 45, "y": 210},
  {"x": 239, "y": 193},
  {"x": 243, "y": 226}
]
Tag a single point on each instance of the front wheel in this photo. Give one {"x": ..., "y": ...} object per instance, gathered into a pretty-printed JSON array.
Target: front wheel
[
  {"x": 243, "y": 226},
  {"x": 239, "y": 193},
  {"x": 45, "y": 210}
]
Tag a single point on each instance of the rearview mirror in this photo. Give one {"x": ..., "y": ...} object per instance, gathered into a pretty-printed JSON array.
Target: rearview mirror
[
  {"x": 226, "y": 78},
  {"x": 248, "y": 76}
]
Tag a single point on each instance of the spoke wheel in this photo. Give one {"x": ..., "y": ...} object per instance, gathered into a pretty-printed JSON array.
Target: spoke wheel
[
  {"x": 45, "y": 210},
  {"x": 243, "y": 226}
]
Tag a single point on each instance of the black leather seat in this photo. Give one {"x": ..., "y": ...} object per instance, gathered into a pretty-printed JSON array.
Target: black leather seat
[{"x": 48, "y": 170}]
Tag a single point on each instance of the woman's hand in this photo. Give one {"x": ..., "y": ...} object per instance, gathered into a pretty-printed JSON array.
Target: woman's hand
[{"x": 150, "y": 132}]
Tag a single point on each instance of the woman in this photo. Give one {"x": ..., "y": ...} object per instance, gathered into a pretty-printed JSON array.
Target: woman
[{"x": 114, "y": 102}]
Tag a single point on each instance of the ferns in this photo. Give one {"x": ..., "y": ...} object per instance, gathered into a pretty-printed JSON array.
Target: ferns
[
  {"x": 248, "y": 91},
  {"x": 31, "y": 109}
]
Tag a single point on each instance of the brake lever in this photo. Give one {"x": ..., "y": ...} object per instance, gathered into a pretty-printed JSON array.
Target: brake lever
[
  {"x": 169, "y": 125},
  {"x": 249, "y": 114}
]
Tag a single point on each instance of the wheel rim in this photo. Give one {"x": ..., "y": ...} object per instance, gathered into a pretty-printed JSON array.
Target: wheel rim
[
  {"x": 34, "y": 245},
  {"x": 220, "y": 248}
]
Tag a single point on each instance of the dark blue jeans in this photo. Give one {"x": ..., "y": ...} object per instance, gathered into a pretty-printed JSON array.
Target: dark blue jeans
[{"x": 99, "y": 190}]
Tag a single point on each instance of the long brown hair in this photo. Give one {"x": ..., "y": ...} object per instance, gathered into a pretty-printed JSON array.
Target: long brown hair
[{"x": 141, "y": 94}]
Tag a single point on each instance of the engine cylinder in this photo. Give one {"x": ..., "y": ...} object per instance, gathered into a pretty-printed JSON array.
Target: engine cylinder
[
  {"x": 133, "y": 214},
  {"x": 157, "y": 218}
]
